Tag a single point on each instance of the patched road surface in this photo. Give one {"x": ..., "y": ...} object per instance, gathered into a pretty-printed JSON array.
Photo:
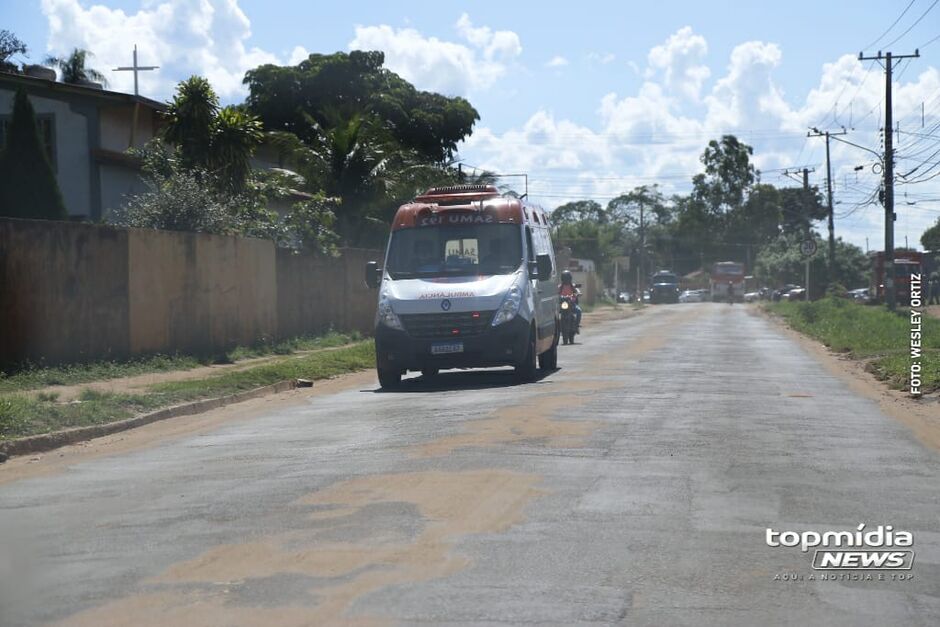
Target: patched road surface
[{"x": 633, "y": 486}]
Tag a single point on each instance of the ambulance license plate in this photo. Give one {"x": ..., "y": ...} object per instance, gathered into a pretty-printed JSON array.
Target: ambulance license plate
[{"x": 446, "y": 348}]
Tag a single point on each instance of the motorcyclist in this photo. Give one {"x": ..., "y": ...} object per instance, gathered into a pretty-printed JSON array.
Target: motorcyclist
[
  {"x": 731, "y": 292},
  {"x": 567, "y": 288}
]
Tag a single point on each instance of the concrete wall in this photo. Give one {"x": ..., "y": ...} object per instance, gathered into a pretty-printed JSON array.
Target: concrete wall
[
  {"x": 316, "y": 294},
  {"x": 199, "y": 293},
  {"x": 76, "y": 292},
  {"x": 63, "y": 292}
]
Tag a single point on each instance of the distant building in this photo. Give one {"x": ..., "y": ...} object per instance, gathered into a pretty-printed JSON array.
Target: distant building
[{"x": 87, "y": 132}]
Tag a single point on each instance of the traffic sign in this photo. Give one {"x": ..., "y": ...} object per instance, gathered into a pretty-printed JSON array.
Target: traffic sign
[{"x": 808, "y": 247}]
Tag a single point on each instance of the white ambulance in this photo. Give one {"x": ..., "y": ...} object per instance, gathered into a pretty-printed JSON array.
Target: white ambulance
[{"x": 469, "y": 281}]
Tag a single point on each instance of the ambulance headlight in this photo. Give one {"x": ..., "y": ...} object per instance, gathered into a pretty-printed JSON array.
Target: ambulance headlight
[
  {"x": 510, "y": 307},
  {"x": 385, "y": 315}
]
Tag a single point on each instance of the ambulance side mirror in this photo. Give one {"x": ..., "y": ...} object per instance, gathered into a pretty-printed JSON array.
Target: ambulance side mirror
[{"x": 373, "y": 274}]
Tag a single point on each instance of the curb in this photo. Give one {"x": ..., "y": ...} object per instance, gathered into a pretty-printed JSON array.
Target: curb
[{"x": 49, "y": 441}]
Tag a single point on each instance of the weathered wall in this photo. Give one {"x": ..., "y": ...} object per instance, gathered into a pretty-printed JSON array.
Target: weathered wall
[
  {"x": 63, "y": 292},
  {"x": 76, "y": 292},
  {"x": 199, "y": 293},
  {"x": 315, "y": 294}
]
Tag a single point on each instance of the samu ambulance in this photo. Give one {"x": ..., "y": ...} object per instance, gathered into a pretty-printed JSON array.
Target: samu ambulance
[{"x": 469, "y": 281}]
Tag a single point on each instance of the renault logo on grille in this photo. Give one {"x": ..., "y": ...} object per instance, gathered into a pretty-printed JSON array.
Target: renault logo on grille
[{"x": 445, "y": 305}]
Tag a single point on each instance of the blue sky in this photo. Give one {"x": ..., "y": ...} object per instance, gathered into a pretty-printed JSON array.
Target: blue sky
[{"x": 589, "y": 98}]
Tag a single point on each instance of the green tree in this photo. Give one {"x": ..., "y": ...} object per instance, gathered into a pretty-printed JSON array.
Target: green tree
[
  {"x": 10, "y": 45},
  {"x": 73, "y": 68},
  {"x": 728, "y": 175},
  {"x": 28, "y": 187},
  {"x": 579, "y": 211},
  {"x": 326, "y": 91},
  {"x": 930, "y": 239},
  {"x": 781, "y": 262},
  {"x": 218, "y": 140}
]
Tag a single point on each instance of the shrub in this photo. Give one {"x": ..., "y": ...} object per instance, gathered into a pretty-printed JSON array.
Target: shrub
[{"x": 28, "y": 187}]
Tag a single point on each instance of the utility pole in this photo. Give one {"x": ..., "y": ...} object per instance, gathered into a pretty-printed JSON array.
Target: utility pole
[
  {"x": 890, "y": 217},
  {"x": 808, "y": 230},
  {"x": 815, "y": 132},
  {"x": 639, "y": 265}
]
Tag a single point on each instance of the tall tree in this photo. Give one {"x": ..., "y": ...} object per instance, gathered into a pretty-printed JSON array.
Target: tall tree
[
  {"x": 221, "y": 141},
  {"x": 10, "y": 45},
  {"x": 28, "y": 187},
  {"x": 930, "y": 239},
  {"x": 73, "y": 68},
  {"x": 579, "y": 211},
  {"x": 729, "y": 173},
  {"x": 325, "y": 91}
]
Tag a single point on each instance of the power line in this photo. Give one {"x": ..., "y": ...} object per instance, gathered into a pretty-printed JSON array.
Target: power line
[
  {"x": 893, "y": 24},
  {"x": 916, "y": 22}
]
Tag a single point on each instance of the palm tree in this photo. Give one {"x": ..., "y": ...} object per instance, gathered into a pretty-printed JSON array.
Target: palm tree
[
  {"x": 220, "y": 141},
  {"x": 189, "y": 119},
  {"x": 235, "y": 135},
  {"x": 73, "y": 68}
]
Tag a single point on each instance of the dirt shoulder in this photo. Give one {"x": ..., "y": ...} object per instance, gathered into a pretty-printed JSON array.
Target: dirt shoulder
[
  {"x": 137, "y": 384},
  {"x": 58, "y": 460},
  {"x": 922, "y": 415}
]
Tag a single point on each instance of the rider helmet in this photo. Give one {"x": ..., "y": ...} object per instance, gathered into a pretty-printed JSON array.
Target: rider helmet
[{"x": 566, "y": 277}]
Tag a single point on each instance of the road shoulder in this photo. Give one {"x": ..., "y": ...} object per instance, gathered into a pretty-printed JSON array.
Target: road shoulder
[
  {"x": 919, "y": 415},
  {"x": 58, "y": 460}
]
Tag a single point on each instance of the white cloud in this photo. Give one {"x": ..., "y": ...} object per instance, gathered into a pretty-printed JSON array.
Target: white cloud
[
  {"x": 656, "y": 134},
  {"x": 679, "y": 60},
  {"x": 557, "y": 61},
  {"x": 501, "y": 44},
  {"x": 205, "y": 37},
  {"x": 746, "y": 97},
  {"x": 298, "y": 54},
  {"x": 443, "y": 66}
]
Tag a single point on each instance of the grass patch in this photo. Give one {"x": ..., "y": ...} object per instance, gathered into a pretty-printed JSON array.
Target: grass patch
[
  {"x": 293, "y": 345},
  {"x": 33, "y": 377},
  {"x": 871, "y": 333},
  {"x": 22, "y": 415}
]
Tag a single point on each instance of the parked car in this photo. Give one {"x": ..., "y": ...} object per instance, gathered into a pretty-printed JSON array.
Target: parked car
[
  {"x": 693, "y": 296},
  {"x": 752, "y": 297},
  {"x": 623, "y": 297},
  {"x": 781, "y": 293},
  {"x": 797, "y": 293},
  {"x": 860, "y": 295}
]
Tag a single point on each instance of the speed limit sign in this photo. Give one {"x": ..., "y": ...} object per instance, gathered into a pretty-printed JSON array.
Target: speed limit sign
[{"x": 808, "y": 247}]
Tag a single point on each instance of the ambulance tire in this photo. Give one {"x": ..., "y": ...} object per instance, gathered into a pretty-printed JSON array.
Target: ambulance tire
[
  {"x": 528, "y": 369},
  {"x": 389, "y": 378}
]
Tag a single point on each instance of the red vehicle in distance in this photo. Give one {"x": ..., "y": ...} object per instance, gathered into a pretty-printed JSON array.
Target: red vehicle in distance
[
  {"x": 723, "y": 274},
  {"x": 906, "y": 262}
]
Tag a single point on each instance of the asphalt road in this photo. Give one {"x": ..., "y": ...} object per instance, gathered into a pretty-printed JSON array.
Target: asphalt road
[{"x": 632, "y": 486}]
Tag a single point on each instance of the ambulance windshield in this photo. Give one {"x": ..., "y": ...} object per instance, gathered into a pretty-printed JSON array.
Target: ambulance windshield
[{"x": 455, "y": 250}]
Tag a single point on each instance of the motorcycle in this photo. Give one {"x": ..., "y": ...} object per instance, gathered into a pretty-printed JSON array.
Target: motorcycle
[{"x": 569, "y": 325}]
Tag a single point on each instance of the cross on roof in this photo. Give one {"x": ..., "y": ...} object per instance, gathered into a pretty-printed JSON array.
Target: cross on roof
[{"x": 135, "y": 69}]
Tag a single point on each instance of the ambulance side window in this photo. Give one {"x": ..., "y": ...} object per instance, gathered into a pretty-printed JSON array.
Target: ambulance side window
[{"x": 528, "y": 243}]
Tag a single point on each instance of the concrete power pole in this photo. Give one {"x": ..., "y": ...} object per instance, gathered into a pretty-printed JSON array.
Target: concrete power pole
[
  {"x": 815, "y": 132},
  {"x": 639, "y": 265},
  {"x": 890, "y": 217}
]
